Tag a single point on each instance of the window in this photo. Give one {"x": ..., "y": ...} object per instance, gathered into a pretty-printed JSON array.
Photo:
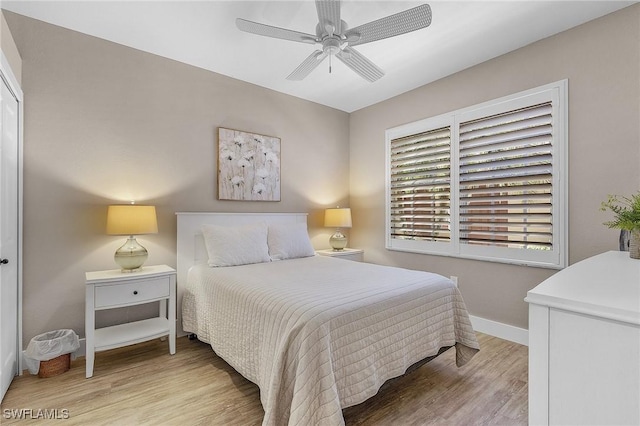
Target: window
[{"x": 486, "y": 182}]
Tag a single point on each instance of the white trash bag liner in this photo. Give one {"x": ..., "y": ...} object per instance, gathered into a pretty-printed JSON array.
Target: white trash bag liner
[{"x": 46, "y": 346}]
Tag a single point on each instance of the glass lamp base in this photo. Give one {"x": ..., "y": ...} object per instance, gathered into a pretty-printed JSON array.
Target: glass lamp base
[
  {"x": 131, "y": 256},
  {"x": 338, "y": 241}
]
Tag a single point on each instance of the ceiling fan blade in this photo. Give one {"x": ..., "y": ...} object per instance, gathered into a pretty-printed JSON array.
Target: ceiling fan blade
[
  {"x": 360, "y": 64},
  {"x": 390, "y": 26},
  {"x": 329, "y": 15},
  {"x": 275, "y": 32},
  {"x": 308, "y": 65}
]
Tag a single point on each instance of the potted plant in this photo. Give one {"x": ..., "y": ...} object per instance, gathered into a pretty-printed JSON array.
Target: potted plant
[{"x": 626, "y": 212}]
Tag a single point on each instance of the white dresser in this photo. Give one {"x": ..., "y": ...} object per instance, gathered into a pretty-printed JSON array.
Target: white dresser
[{"x": 584, "y": 344}]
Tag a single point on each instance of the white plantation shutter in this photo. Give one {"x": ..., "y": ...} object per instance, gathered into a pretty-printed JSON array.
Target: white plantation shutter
[
  {"x": 506, "y": 174},
  {"x": 420, "y": 191},
  {"x": 485, "y": 182}
]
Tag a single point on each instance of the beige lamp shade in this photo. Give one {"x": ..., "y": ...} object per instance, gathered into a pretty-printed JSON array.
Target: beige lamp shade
[
  {"x": 337, "y": 218},
  {"x": 131, "y": 219}
]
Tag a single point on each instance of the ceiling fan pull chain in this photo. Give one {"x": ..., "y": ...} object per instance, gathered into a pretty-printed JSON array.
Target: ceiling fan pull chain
[{"x": 330, "y": 63}]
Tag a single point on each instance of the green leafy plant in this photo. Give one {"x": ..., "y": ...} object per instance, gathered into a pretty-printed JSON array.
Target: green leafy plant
[{"x": 626, "y": 211}]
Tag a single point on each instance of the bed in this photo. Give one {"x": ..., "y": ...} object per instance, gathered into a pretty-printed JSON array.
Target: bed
[{"x": 316, "y": 334}]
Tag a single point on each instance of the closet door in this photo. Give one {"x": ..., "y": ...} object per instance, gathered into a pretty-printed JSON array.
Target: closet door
[{"x": 9, "y": 203}]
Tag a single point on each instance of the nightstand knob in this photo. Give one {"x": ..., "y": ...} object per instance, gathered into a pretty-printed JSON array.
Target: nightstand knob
[{"x": 135, "y": 291}]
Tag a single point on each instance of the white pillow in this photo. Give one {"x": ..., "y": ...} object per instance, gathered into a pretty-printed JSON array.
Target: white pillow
[
  {"x": 236, "y": 245},
  {"x": 289, "y": 241}
]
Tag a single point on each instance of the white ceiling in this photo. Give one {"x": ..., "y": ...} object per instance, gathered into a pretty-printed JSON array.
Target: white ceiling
[{"x": 203, "y": 34}]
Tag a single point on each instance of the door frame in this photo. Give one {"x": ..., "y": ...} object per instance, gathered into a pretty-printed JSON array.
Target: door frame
[{"x": 6, "y": 74}]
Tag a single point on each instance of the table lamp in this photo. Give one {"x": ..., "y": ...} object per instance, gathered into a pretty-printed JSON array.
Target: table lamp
[
  {"x": 131, "y": 220},
  {"x": 337, "y": 218}
]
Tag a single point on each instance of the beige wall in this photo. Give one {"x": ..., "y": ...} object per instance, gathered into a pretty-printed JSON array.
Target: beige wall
[
  {"x": 601, "y": 61},
  {"x": 9, "y": 48},
  {"x": 106, "y": 124}
]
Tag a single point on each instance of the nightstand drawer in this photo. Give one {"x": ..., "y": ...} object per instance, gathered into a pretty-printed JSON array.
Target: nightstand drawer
[{"x": 133, "y": 292}]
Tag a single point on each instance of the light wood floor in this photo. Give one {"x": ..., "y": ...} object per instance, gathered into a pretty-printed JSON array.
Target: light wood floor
[{"x": 143, "y": 384}]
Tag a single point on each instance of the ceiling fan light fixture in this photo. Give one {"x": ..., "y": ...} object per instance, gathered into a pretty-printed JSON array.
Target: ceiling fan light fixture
[{"x": 331, "y": 45}]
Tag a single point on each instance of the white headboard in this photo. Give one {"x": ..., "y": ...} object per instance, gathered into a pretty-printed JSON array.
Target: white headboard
[{"x": 190, "y": 244}]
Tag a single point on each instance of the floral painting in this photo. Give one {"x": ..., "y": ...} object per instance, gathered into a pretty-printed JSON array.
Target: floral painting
[{"x": 248, "y": 166}]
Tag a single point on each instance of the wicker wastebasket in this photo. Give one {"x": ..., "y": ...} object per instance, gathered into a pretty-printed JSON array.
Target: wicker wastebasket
[
  {"x": 55, "y": 366},
  {"x": 49, "y": 354}
]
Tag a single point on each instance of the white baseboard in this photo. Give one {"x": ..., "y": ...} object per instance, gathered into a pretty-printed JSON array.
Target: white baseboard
[
  {"x": 82, "y": 350},
  {"x": 501, "y": 330}
]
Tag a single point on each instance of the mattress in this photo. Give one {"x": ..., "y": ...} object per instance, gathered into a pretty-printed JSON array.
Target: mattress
[{"x": 319, "y": 334}]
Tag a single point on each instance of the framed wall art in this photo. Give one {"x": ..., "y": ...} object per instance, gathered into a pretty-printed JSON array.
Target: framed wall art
[{"x": 248, "y": 166}]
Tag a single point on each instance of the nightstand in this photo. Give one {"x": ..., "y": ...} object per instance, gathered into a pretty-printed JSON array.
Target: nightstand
[
  {"x": 347, "y": 253},
  {"x": 115, "y": 289}
]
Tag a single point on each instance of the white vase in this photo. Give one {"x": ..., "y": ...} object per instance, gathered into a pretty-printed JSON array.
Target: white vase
[{"x": 634, "y": 245}]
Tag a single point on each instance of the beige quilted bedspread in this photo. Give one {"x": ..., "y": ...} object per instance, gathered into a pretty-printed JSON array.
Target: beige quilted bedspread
[{"x": 319, "y": 334}]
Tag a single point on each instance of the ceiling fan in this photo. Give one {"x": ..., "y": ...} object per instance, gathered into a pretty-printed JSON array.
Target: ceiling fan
[{"x": 337, "y": 39}]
